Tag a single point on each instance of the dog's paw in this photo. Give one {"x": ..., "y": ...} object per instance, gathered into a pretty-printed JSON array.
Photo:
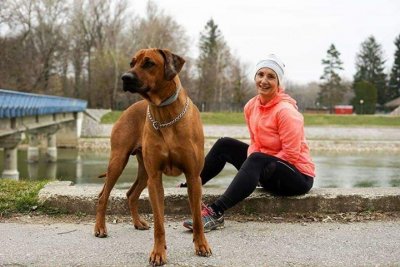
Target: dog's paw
[
  {"x": 141, "y": 224},
  {"x": 203, "y": 250},
  {"x": 100, "y": 231},
  {"x": 158, "y": 258}
]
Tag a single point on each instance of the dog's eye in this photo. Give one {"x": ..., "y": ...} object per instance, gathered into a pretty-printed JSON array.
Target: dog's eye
[{"x": 148, "y": 64}]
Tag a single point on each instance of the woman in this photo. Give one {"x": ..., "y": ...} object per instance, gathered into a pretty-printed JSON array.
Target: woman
[{"x": 277, "y": 158}]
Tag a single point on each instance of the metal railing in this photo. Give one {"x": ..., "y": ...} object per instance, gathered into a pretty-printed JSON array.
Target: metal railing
[{"x": 19, "y": 104}]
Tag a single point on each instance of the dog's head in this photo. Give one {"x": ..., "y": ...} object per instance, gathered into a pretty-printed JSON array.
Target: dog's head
[{"x": 151, "y": 69}]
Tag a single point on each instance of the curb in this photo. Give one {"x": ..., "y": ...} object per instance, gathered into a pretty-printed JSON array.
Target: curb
[{"x": 83, "y": 198}]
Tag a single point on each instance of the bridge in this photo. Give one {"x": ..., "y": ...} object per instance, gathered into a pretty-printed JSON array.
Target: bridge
[{"x": 26, "y": 115}]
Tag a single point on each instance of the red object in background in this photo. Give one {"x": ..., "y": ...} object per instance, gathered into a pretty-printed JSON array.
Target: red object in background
[{"x": 344, "y": 109}]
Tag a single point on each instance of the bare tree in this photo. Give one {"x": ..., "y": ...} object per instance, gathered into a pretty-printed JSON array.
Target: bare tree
[
  {"x": 305, "y": 94},
  {"x": 157, "y": 29},
  {"x": 241, "y": 86},
  {"x": 38, "y": 33},
  {"x": 80, "y": 50},
  {"x": 98, "y": 26}
]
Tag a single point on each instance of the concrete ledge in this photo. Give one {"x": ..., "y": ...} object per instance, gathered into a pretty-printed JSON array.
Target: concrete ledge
[{"x": 83, "y": 198}]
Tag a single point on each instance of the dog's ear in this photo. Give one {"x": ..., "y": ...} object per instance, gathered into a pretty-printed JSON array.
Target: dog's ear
[{"x": 172, "y": 64}]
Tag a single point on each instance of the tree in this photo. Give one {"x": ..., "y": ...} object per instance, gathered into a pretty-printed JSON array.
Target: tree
[
  {"x": 159, "y": 30},
  {"x": 213, "y": 60},
  {"x": 306, "y": 95},
  {"x": 394, "y": 81},
  {"x": 331, "y": 89},
  {"x": 239, "y": 84},
  {"x": 365, "y": 97},
  {"x": 96, "y": 39},
  {"x": 370, "y": 67},
  {"x": 38, "y": 39}
]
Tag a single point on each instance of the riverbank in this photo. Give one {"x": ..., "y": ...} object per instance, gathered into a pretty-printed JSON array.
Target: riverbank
[{"x": 321, "y": 138}]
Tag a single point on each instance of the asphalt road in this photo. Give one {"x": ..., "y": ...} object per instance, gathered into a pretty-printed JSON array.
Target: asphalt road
[{"x": 239, "y": 244}]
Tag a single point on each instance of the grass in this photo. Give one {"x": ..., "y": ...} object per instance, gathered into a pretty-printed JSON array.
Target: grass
[
  {"x": 237, "y": 118},
  {"x": 222, "y": 118},
  {"x": 21, "y": 197},
  {"x": 111, "y": 117},
  {"x": 365, "y": 184},
  {"x": 351, "y": 120}
]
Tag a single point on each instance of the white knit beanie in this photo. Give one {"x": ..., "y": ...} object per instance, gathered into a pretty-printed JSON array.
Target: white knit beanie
[{"x": 274, "y": 63}]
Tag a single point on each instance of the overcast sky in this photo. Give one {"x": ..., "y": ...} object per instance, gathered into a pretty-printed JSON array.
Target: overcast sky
[{"x": 299, "y": 32}]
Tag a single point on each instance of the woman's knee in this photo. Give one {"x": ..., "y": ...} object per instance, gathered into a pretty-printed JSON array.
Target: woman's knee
[
  {"x": 225, "y": 141},
  {"x": 259, "y": 156},
  {"x": 229, "y": 145}
]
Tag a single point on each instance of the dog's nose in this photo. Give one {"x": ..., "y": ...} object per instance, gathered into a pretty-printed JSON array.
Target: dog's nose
[{"x": 127, "y": 76}]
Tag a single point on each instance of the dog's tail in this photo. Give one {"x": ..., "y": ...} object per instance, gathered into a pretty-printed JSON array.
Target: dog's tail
[{"x": 102, "y": 175}]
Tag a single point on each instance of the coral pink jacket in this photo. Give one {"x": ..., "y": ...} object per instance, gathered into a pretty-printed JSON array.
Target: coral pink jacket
[{"x": 277, "y": 129}]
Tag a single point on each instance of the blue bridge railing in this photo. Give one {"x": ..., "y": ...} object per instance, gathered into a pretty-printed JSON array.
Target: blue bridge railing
[{"x": 18, "y": 104}]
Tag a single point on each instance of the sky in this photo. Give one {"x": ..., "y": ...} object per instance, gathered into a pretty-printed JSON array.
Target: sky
[{"x": 299, "y": 32}]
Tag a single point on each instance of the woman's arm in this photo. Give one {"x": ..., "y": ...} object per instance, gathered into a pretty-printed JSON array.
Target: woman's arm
[{"x": 290, "y": 129}]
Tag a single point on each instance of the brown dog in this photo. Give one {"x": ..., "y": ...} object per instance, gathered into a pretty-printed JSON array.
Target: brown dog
[{"x": 166, "y": 135}]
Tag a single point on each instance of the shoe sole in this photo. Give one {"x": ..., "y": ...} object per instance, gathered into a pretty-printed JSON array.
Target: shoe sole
[
  {"x": 205, "y": 230},
  {"x": 214, "y": 228}
]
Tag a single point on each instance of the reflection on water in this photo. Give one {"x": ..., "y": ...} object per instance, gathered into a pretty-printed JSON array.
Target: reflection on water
[{"x": 333, "y": 169}]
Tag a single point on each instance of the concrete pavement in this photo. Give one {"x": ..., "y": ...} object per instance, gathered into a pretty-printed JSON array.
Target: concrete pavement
[{"x": 239, "y": 244}]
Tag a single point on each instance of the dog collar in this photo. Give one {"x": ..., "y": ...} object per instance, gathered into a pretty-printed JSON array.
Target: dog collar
[
  {"x": 157, "y": 125},
  {"x": 171, "y": 99}
]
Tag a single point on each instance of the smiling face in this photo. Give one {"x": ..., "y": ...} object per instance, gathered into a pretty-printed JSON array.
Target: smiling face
[{"x": 267, "y": 84}]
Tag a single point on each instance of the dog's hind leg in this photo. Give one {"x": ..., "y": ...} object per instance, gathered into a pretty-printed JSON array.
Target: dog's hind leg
[
  {"x": 115, "y": 167},
  {"x": 134, "y": 193}
]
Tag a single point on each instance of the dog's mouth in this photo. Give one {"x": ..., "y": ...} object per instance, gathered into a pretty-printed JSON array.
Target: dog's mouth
[
  {"x": 131, "y": 83},
  {"x": 135, "y": 87}
]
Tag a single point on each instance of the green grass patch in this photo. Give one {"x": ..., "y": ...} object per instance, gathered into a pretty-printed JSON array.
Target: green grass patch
[
  {"x": 223, "y": 118},
  {"x": 237, "y": 118},
  {"x": 351, "y": 120},
  {"x": 220, "y": 118},
  {"x": 111, "y": 117},
  {"x": 365, "y": 184},
  {"x": 395, "y": 183},
  {"x": 21, "y": 197}
]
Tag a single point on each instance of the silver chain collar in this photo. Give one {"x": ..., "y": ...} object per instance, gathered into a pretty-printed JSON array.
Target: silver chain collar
[{"x": 157, "y": 125}]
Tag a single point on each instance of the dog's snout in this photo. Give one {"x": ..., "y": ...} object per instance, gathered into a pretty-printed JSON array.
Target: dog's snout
[
  {"x": 130, "y": 82},
  {"x": 127, "y": 76}
]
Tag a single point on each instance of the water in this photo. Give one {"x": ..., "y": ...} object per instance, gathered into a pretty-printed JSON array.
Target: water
[{"x": 343, "y": 170}]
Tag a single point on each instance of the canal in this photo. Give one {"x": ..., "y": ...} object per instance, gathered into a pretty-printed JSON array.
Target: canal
[{"x": 344, "y": 170}]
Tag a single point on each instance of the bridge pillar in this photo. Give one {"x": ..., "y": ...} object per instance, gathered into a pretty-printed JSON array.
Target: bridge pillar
[
  {"x": 33, "y": 148},
  {"x": 10, "y": 164},
  {"x": 51, "y": 170},
  {"x": 51, "y": 153}
]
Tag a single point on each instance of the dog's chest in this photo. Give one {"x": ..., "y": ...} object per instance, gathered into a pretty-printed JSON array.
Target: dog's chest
[{"x": 170, "y": 162}]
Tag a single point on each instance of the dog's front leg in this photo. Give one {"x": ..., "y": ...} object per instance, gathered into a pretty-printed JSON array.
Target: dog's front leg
[
  {"x": 194, "y": 191},
  {"x": 156, "y": 192}
]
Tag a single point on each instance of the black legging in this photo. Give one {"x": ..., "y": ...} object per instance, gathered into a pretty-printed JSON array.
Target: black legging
[{"x": 275, "y": 175}]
